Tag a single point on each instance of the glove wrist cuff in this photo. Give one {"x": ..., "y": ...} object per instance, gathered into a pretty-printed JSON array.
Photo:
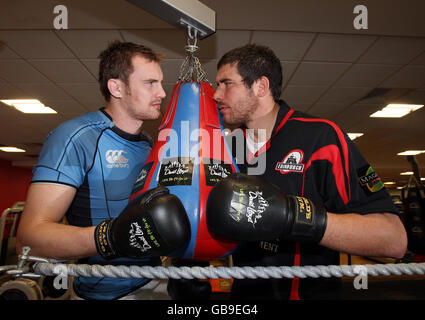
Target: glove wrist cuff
[
  {"x": 310, "y": 221},
  {"x": 102, "y": 240}
]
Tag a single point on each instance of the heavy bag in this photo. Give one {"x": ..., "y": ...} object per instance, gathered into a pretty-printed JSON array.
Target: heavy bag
[
  {"x": 413, "y": 198},
  {"x": 189, "y": 157}
]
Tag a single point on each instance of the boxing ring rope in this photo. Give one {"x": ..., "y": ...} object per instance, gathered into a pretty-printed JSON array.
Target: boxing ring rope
[
  {"x": 45, "y": 267},
  {"x": 84, "y": 270}
]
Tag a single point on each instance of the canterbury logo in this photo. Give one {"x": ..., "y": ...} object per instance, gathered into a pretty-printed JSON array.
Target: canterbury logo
[{"x": 116, "y": 158}]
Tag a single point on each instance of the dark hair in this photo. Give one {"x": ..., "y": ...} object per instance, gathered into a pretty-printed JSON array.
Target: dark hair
[
  {"x": 253, "y": 62},
  {"x": 115, "y": 62}
]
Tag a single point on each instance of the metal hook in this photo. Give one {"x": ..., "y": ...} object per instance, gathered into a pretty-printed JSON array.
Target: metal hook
[
  {"x": 192, "y": 47},
  {"x": 189, "y": 32}
]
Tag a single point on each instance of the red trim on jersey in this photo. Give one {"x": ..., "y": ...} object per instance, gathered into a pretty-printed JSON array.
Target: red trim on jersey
[
  {"x": 331, "y": 153},
  {"x": 295, "y": 284},
  {"x": 296, "y": 281},
  {"x": 290, "y": 112},
  {"x": 345, "y": 154}
]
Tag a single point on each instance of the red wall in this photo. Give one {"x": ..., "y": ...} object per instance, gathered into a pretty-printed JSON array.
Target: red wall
[{"x": 14, "y": 183}]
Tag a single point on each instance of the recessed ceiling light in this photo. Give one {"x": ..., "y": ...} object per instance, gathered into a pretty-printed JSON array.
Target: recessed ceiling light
[
  {"x": 11, "y": 149},
  {"x": 407, "y": 173},
  {"x": 396, "y": 110},
  {"x": 353, "y": 136},
  {"x": 410, "y": 152},
  {"x": 29, "y": 106}
]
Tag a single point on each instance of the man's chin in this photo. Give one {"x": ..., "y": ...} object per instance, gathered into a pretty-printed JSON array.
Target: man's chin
[
  {"x": 156, "y": 115},
  {"x": 231, "y": 122},
  {"x": 151, "y": 117}
]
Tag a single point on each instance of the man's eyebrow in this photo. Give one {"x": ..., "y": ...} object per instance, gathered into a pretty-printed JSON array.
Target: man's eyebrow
[
  {"x": 223, "y": 80},
  {"x": 151, "y": 80}
]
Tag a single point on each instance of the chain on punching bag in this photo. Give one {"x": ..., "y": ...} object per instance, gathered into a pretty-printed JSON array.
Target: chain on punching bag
[
  {"x": 413, "y": 197},
  {"x": 190, "y": 156}
]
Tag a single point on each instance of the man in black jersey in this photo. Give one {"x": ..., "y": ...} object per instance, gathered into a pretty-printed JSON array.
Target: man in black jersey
[{"x": 307, "y": 157}]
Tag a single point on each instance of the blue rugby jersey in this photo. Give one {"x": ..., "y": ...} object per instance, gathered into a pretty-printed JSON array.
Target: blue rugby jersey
[{"x": 102, "y": 162}]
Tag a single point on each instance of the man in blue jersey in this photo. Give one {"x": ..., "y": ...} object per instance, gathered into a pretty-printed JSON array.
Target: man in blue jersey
[{"x": 86, "y": 172}]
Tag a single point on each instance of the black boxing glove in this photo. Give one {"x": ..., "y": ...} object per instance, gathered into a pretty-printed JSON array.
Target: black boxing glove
[
  {"x": 151, "y": 225},
  {"x": 248, "y": 208}
]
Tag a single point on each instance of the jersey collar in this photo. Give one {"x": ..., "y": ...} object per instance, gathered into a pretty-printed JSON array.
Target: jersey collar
[
  {"x": 284, "y": 113},
  {"x": 143, "y": 136}
]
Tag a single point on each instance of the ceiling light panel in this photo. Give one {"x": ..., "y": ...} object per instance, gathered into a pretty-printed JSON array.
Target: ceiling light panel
[
  {"x": 410, "y": 152},
  {"x": 353, "y": 136},
  {"x": 396, "y": 110},
  {"x": 11, "y": 149},
  {"x": 28, "y": 106}
]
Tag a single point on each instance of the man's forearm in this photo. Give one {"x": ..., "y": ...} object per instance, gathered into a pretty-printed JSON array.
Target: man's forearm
[
  {"x": 368, "y": 235},
  {"x": 58, "y": 241}
]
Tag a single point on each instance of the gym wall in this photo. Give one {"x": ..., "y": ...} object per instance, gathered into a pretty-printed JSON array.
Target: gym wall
[{"x": 14, "y": 183}]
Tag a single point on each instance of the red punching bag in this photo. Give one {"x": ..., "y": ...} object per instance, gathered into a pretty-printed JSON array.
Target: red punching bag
[{"x": 189, "y": 157}]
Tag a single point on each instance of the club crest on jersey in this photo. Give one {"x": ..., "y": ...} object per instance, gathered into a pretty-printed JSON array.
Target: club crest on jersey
[
  {"x": 292, "y": 162},
  {"x": 369, "y": 180}
]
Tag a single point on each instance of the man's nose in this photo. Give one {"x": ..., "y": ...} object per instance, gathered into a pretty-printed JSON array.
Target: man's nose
[
  {"x": 161, "y": 92},
  {"x": 217, "y": 94}
]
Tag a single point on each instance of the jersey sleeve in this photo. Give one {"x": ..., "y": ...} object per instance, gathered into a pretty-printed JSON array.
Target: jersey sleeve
[
  {"x": 367, "y": 191},
  {"x": 63, "y": 159},
  {"x": 350, "y": 184}
]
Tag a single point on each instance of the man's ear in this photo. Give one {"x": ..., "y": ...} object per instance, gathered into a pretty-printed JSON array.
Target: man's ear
[
  {"x": 115, "y": 87},
  {"x": 262, "y": 86}
]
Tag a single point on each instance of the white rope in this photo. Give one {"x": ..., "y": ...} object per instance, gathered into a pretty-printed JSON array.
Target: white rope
[{"x": 98, "y": 271}]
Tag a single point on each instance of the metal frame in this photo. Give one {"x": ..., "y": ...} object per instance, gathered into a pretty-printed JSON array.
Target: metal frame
[{"x": 192, "y": 15}]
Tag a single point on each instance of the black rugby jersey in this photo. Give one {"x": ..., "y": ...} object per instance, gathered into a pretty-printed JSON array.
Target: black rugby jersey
[{"x": 310, "y": 157}]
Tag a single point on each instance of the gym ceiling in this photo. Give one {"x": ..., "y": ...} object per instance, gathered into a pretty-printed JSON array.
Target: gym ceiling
[{"x": 331, "y": 69}]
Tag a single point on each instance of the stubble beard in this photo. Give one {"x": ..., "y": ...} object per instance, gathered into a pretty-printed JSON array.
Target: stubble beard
[
  {"x": 152, "y": 113},
  {"x": 242, "y": 111}
]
